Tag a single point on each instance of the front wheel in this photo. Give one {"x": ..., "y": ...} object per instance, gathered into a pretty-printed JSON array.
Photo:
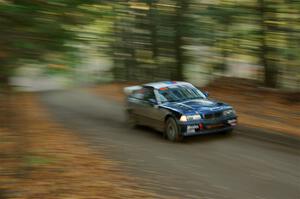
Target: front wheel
[{"x": 172, "y": 130}]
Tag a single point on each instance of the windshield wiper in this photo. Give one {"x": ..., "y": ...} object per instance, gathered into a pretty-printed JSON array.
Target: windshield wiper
[
  {"x": 174, "y": 100},
  {"x": 191, "y": 98}
]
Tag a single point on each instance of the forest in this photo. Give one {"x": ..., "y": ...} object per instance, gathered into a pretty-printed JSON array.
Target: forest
[{"x": 150, "y": 40}]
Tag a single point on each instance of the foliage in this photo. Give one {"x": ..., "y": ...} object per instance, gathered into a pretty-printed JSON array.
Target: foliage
[
  {"x": 34, "y": 29},
  {"x": 150, "y": 39}
]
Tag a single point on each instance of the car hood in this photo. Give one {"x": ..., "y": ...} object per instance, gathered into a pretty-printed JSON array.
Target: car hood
[{"x": 196, "y": 106}]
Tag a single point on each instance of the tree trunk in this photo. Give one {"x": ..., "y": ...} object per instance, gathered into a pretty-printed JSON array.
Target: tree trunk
[
  {"x": 179, "y": 53},
  {"x": 270, "y": 69},
  {"x": 4, "y": 83},
  {"x": 153, "y": 30}
]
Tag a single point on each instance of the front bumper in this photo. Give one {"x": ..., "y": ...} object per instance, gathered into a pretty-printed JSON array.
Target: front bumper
[{"x": 207, "y": 126}]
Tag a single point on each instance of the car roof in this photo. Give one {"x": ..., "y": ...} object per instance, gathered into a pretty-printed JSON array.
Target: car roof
[{"x": 162, "y": 84}]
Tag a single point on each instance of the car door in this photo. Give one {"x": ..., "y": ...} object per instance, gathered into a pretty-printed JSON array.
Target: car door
[
  {"x": 135, "y": 104},
  {"x": 151, "y": 113}
]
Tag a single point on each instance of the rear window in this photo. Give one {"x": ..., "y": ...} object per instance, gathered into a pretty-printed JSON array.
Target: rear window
[
  {"x": 138, "y": 94},
  {"x": 143, "y": 94}
]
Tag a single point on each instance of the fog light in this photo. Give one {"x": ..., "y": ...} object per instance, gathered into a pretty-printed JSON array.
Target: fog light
[
  {"x": 201, "y": 126},
  {"x": 232, "y": 122}
]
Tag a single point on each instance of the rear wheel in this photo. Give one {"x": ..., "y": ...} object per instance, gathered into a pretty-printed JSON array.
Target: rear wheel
[{"x": 172, "y": 130}]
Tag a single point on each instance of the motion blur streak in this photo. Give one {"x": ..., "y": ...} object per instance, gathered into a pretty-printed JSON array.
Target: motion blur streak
[{"x": 243, "y": 52}]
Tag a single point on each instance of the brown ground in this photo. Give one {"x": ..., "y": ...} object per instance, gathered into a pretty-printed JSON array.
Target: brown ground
[
  {"x": 256, "y": 107},
  {"x": 40, "y": 159}
]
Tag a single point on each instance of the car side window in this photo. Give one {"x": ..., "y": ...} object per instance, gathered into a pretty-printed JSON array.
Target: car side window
[{"x": 149, "y": 94}]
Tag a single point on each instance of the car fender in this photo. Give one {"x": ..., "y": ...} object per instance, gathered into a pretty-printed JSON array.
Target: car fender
[{"x": 171, "y": 112}]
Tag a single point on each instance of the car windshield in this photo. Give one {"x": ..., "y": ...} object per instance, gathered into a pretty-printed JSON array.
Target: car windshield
[{"x": 179, "y": 93}]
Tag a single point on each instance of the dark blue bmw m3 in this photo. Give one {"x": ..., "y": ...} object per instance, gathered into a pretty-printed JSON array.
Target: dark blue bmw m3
[{"x": 178, "y": 109}]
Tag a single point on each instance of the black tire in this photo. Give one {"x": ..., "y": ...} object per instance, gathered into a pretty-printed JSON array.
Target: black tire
[
  {"x": 130, "y": 120},
  {"x": 172, "y": 130}
]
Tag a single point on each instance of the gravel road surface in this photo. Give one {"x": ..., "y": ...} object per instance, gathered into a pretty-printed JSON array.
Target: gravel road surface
[{"x": 209, "y": 166}]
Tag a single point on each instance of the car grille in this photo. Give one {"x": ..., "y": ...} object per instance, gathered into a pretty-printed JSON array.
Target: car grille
[{"x": 213, "y": 115}]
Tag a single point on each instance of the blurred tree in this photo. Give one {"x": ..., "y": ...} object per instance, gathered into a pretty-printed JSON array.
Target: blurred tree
[
  {"x": 266, "y": 56},
  {"x": 33, "y": 29},
  {"x": 223, "y": 15},
  {"x": 180, "y": 19},
  {"x": 151, "y": 39},
  {"x": 279, "y": 32}
]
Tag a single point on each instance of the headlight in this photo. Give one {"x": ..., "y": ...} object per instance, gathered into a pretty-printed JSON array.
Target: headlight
[
  {"x": 228, "y": 112},
  {"x": 185, "y": 118}
]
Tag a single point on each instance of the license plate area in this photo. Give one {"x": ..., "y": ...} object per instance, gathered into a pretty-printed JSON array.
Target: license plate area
[
  {"x": 214, "y": 126},
  {"x": 192, "y": 128}
]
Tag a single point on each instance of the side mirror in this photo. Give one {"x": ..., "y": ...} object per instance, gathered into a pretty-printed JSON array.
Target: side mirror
[{"x": 206, "y": 93}]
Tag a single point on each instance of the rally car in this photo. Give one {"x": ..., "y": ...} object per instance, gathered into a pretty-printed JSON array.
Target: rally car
[{"x": 178, "y": 109}]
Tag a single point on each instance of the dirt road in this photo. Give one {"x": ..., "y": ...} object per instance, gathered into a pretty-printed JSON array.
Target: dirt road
[{"x": 210, "y": 166}]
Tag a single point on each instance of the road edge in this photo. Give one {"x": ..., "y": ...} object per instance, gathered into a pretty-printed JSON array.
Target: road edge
[{"x": 268, "y": 135}]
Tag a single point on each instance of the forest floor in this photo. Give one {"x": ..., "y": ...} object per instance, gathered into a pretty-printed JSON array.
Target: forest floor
[
  {"x": 257, "y": 107},
  {"x": 40, "y": 159}
]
